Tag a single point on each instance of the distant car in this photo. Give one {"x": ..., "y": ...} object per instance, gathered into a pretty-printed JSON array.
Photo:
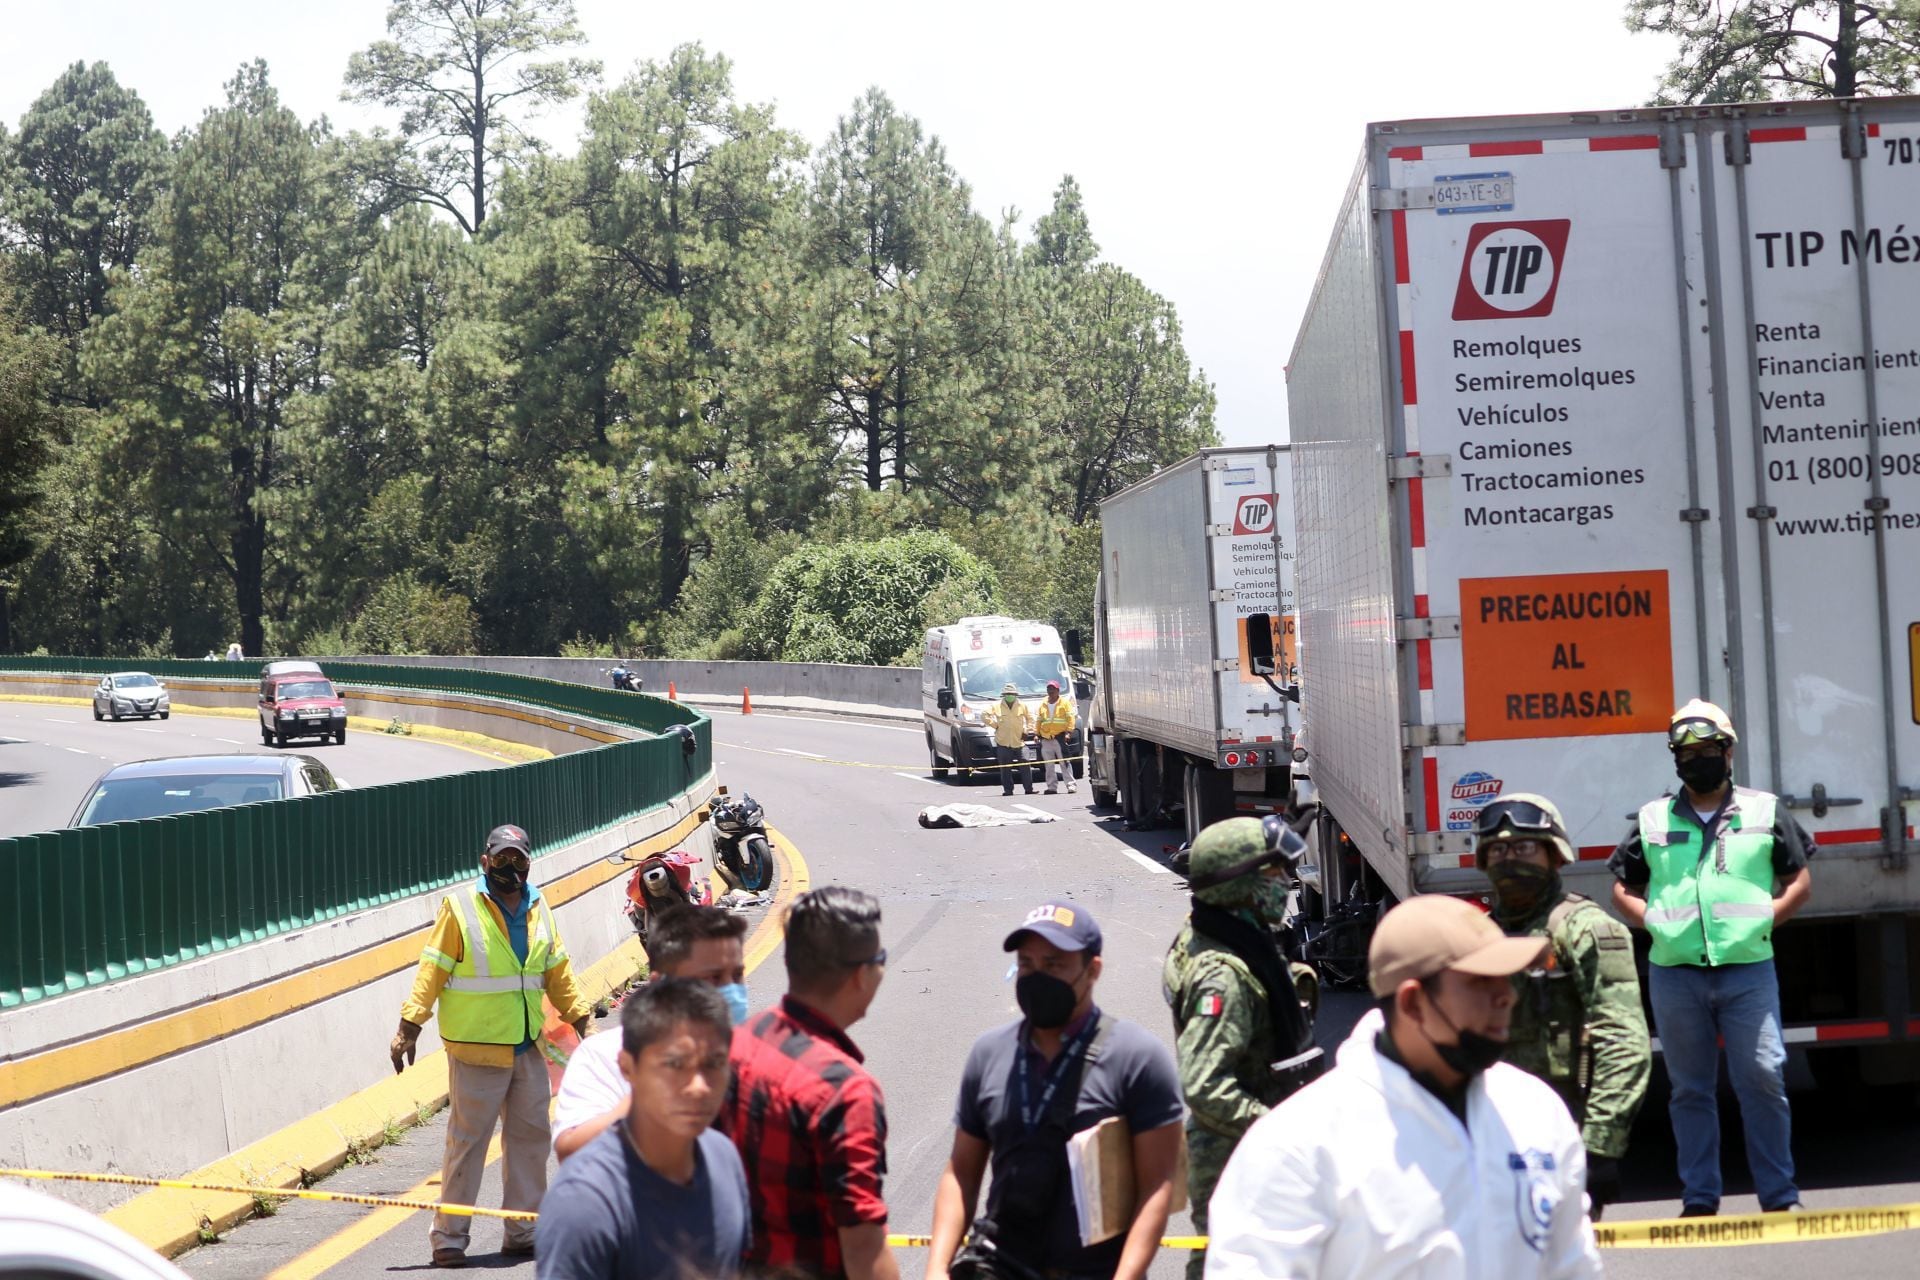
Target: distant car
[
  {"x": 187, "y": 784},
  {"x": 130, "y": 693},
  {"x": 49, "y": 1239},
  {"x": 298, "y": 701}
]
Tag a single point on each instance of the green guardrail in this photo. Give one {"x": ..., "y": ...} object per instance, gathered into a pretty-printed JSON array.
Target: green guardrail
[{"x": 90, "y": 905}]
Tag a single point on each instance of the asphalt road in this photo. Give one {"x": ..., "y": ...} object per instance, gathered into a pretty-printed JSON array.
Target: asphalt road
[
  {"x": 50, "y": 753},
  {"x": 949, "y": 898}
]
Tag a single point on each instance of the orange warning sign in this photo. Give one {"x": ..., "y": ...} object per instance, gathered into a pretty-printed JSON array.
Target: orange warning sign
[
  {"x": 1566, "y": 655},
  {"x": 1286, "y": 641}
]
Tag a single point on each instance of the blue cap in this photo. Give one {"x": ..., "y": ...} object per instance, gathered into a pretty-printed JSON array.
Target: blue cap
[{"x": 1066, "y": 927}]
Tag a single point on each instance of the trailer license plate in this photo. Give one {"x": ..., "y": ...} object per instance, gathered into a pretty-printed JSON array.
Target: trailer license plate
[{"x": 1473, "y": 193}]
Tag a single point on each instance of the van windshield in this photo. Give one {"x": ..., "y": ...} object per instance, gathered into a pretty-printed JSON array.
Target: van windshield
[
  {"x": 982, "y": 678},
  {"x": 304, "y": 689}
]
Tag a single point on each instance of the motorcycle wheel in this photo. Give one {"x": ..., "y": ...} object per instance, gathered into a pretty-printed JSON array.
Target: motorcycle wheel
[
  {"x": 756, "y": 876},
  {"x": 639, "y": 917},
  {"x": 728, "y": 864}
]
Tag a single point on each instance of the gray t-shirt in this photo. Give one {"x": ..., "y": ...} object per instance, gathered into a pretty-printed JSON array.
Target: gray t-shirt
[
  {"x": 1133, "y": 1077},
  {"x": 610, "y": 1217}
]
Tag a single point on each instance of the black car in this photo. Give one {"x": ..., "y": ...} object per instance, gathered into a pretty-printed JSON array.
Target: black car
[{"x": 187, "y": 784}]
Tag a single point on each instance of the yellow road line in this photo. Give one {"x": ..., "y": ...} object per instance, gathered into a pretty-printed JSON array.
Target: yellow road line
[
  {"x": 24, "y": 1079},
  {"x": 795, "y": 878}
]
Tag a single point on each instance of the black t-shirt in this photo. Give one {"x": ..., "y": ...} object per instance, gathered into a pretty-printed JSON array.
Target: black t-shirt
[
  {"x": 1134, "y": 1078},
  {"x": 1791, "y": 846}
]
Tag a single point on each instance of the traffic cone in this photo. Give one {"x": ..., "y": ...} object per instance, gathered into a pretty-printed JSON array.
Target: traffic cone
[
  {"x": 746, "y": 701},
  {"x": 673, "y": 695}
]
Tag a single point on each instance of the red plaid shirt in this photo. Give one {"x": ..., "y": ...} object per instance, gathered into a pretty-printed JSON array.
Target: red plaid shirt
[{"x": 811, "y": 1126}]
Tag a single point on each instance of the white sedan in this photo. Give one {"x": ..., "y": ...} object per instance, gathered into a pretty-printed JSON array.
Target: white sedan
[{"x": 130, "y": 693}]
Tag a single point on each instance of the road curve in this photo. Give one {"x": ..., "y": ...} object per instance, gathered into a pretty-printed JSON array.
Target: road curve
[{"x": 50, "y": 753}]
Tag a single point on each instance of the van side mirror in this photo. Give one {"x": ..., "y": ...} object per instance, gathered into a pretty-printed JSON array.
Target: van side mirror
[
  {"x": 1073, "y": 647},
  {"x": 1083, "y": 688},
  {"x": 1260, "y": 643},
  {"x": 944, "y": 699}
]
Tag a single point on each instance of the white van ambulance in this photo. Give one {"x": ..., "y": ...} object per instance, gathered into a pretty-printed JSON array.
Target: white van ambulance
[{"x": 964, "y": 668}]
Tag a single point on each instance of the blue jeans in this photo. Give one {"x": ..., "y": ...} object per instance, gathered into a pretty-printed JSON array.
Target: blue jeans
[{"x": 1694, "y": 1009}]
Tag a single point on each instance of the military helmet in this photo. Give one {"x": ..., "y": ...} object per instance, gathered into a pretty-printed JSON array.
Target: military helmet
[
  {"x": 1519, "y": 815},
  {"x": 1228, "y": 857}
]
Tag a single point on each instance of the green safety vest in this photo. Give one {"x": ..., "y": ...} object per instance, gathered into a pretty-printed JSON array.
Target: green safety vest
[
  {"x": 492, "y": 996},
  {"x": 1714, "y": 905}
]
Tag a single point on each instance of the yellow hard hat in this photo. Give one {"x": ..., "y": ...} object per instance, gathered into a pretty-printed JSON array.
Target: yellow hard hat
[{"x": 1700, "y": 721}]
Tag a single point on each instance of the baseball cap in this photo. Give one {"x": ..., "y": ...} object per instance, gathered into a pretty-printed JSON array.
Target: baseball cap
[
  {"x": 1432, "y": 932},
  {"x": 1068, "y": 928},
  {"x": 1700, "y": 721},
  {"x": 507, "y": 836},
  {"x": 1053, "y": 685}
]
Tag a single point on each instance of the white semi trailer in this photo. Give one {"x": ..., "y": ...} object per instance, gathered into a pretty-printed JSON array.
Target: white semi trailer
[
  {"x": 1595, "y": 413},
  {"x": 1179, "y": 721}
]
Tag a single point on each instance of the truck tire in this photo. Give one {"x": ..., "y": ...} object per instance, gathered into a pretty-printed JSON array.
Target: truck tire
[
  {"x": 1209, "y": 797},
  {"x": 962, "y": 758}
]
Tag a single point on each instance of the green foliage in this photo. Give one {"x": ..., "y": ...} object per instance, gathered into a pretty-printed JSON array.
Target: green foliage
[
  {"x": 694, "y": 388},
  {"x": 1750, "y": 50},
  {"x": 861, "y": 602},
  {"x": 405, "y": 616},
  {"x": 444, "y": 65}
]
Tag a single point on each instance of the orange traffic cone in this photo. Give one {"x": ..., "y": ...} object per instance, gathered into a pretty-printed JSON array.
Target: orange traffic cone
[
  {"x": 673, "y": 695},
  {"x": 746, "y": 701}
]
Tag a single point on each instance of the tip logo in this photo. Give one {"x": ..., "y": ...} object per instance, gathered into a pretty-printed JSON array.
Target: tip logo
[
  {"x": 1511, "y": 270},
  {"x": 1253, "y": 514}
]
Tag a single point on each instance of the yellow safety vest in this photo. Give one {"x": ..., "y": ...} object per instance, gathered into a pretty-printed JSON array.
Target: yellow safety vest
[
  {"x": 1055, "y": 716},
  {"x": 1710, "y": 906},
  {"x": 493, "y": 997}
]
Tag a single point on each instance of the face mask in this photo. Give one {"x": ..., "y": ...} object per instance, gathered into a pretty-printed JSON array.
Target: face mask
[
  {"x": 1270, "y": 900},
  {"x": 735, "y": 994},
  {"x": 505, "y": 879},
  {"x": 1521, "y": 884},
  {"x": 1046, "y": 1000},
  {"x": 1471, "y": 1053},
  {"x": 1009, "y": 699},
  {"x": 1702, "y": 774}
]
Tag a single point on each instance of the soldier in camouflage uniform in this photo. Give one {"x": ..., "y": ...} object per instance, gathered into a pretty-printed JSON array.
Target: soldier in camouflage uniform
[
  {"x": 1220, "y": 978},
  {"x": 1578, "y": 1023}
]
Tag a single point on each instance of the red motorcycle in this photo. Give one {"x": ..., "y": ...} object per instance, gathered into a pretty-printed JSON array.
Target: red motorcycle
[{"x": 662, "y": 882}]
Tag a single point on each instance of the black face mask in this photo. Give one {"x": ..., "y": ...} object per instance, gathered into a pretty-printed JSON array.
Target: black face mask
[
  {"x": 1046, "y": 1000},
  {"x": 506, "y": 879},
  {"x": 1520, "y": 885},
  {"x": 1471, "y": 1053},
  {"x": 1702, "y": 774}
]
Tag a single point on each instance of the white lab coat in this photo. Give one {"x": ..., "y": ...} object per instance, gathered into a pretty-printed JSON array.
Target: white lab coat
[{"x": 1365, "y": 1174}]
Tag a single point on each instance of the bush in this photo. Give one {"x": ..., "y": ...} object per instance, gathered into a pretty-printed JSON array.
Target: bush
[
  {"x": 408, "y": 616},
  {"x": 865, "y": 602}
]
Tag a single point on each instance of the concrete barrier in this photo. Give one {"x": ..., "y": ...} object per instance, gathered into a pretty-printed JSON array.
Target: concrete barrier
[{"x": 865, "y": 690}]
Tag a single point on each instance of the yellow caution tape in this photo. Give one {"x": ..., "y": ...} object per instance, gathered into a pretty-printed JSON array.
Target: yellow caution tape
[
  {"x": 1757, "y": 1228},
  {"x": 277, "y": 1193},
  {"x": 1652, "y": 1233}
]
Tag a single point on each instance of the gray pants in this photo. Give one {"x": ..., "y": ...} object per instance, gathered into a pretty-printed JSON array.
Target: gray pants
[
  {"x": 1053, "y": 765},
  {"x": 1015, "y": 756},
  {"x": 516, "y": 1099}
]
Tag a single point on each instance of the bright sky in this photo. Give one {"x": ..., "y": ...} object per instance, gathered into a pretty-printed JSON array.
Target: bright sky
[{"x": 1212, "y": 140}]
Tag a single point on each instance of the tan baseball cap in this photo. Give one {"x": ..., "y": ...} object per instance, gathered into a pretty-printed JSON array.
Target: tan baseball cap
[{"x": 1432, "y": 932}]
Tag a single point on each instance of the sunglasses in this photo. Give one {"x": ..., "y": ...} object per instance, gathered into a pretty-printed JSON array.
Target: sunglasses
[
  {"x": 1518, "y": 815},
  {"x": 878, "y": 958},
  {"x": 1528, "y": 848},
  {"x": 507, "y": 858}
]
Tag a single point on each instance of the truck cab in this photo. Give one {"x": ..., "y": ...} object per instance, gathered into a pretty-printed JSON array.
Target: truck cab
[{"x": 964, "y": 667}]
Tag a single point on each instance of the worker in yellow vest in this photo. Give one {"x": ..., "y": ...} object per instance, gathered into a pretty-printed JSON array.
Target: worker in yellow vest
[{"x": 493, "y": 953}]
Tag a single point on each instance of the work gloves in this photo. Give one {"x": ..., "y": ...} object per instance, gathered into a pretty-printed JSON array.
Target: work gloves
[{"x": 404, "y": 1045}]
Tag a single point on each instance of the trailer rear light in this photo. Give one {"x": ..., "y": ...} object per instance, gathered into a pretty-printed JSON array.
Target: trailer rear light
[{"x": 1233, "y": 757}]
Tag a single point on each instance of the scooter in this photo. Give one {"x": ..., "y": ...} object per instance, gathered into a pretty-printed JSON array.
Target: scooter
[
  {"x": 662, "y": 882},
  {"x": 740, "y": 836}
]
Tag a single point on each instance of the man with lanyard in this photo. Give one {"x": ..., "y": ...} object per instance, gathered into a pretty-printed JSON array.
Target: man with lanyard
[
  {"x": 1710, "y": 874},
  {"x": 1026, "y": 1089},
  {"x": 494, "y": 951},
  {"x": 1242, "y": 1040}
]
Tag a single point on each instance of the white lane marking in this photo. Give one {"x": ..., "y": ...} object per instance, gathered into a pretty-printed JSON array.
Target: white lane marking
[
  {"x": 52, "y": 720},
  {"x": 822, "y": 718},
  {"x": 79, "y": 752},
  {"x": 911, "y": 777},
  {"x": 795, "y": 751},
  {"x": 1145, "y": 861},
  {"x": 143, "y": 729},
  {"x": 12, "y": 742},
  {"x": 235, "y": 741}
]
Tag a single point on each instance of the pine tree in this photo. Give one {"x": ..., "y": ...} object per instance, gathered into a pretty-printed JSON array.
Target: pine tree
[{"x": 1745, "y": 50}]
